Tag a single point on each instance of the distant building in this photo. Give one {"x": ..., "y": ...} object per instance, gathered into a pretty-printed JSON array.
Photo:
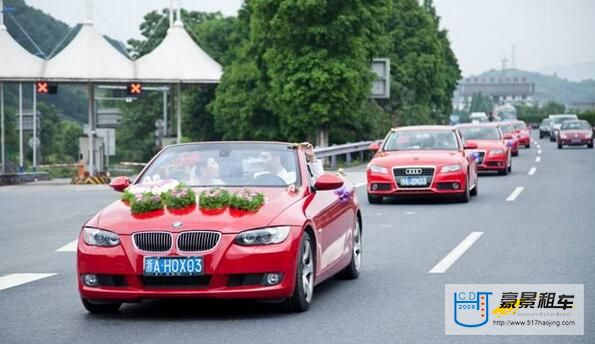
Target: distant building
[{"x": 501, "y": 89}]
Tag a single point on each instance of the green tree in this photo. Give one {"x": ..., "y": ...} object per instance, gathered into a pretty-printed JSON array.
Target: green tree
[{"x": 481, "y": 103}]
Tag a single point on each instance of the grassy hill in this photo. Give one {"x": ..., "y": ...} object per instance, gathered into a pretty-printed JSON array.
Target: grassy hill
[{"x": 551, "y": 87}]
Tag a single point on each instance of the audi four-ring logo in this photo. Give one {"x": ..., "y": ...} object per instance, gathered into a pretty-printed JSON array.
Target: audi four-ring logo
[{"x": 413, "y": 171}]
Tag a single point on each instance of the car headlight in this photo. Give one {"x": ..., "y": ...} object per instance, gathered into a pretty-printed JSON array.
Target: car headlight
[
  {"x": 451, "y": 168},
  {"x": 100, "y": 237},
  {"x": 265, "y": 236},
  {"x": 562, "y": 136},
  {"x": 378, "y": 169},
  {"x": 496, "y": 152}
]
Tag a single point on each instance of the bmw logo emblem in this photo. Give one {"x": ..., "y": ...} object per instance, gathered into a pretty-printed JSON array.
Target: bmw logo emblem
[{"x": 177, "y": 224}]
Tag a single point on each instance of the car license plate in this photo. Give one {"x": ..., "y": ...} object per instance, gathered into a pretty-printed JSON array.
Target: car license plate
[
  {"x": 576, "y": 140},
  {"x": 414, "y": 181},
  {"x": 173, "y": 266}
]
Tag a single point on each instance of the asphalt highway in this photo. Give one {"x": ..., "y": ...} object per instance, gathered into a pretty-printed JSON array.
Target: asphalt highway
[{"x": 536, "y": 225}]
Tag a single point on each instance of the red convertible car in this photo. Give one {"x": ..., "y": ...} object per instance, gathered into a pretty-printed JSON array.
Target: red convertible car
[
  {"x": 508, "y": 137},
  {"x": 522, "y": 132},
  {"x": 491, "y": 154},
  {"x": 422, "y": 160},
  {"x": 305, "y": 229}
]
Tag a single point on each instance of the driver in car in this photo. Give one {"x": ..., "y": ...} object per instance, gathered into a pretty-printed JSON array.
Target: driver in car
[{"x": 273, "y": 165}]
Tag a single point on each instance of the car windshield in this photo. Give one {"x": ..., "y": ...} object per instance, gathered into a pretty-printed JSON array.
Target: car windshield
[
  {"x": 546, "y": 121},
  {"x": 421, "y": 140},
  {"x": 560, "y": 120},
  {"x": 575, "y": 126},
  {"x": 226, "y": 164},
  {"x": 506, "y": 129},
  {"x": 519, "y": 125},
  {"x": 479, "y": 133}
]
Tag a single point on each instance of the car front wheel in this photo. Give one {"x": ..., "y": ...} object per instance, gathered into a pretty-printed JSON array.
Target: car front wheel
[
  {"x": 374, "y": 199},
  {"x": 301, "y": 298},
  {"x": 97, "y": 307}
]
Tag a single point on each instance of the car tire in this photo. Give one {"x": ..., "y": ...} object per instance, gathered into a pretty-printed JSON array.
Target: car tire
[
  {"x": 465, "y": 196},
  {"x": 475, "y": 189},
  {"x": 515, "y": 153},
  {"x": 552, "y": 139},
  {"x": 351, "y": 271},
  {"x": 541, "y": 135},
  {"x": 559, "y": 146},
  {"x": 374, "y": 199},
  {"x": 301, "y": 298},
  {"x": 503, "y": 171},
  {"x": 528, "y": 145},
  {"x": 590, "y": 145},
  {"x": 101, "y": 307},
  {"x": 509, "y": 168}
]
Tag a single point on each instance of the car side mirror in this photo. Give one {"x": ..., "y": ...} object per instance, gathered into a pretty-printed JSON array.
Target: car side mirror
[
  {"x": 374, "y": 146},
  {"x": 470, "y": 145},
  {"x": 120, "y": 183},
  {"x": 328, "y": 181},
  {"x": 508, "y": 136}
]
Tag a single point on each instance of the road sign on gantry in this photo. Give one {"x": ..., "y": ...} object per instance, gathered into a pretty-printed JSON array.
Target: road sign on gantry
[{"x": 135, "y": 89}]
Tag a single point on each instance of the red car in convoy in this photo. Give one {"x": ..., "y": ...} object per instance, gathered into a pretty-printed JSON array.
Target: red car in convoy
[
  {"x": 422, "y": 160},
  {"x": 491, "y": 154},
  {"x": 522, "y": 133},
  {"x": 307, "y": 230},
  {"x": 508, "y": 137},
  {"x": 575, "y": 133}
]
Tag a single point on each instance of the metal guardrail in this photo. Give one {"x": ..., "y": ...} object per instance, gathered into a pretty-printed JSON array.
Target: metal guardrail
[{"x": 345, "y": 149}]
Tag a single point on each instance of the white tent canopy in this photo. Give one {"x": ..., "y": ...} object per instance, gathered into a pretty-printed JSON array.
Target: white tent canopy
[
  {"x": 16, "y": 63},
  {"x": 178, "y": 59},
  {"x": 89, "y": 58}
]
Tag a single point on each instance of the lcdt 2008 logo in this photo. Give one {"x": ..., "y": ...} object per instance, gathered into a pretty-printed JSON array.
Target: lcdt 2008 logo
[{"x": 471, "y": 308}]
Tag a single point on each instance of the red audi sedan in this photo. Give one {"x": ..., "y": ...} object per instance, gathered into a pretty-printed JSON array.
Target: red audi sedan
[
  {"x": 422, "y": 160},
  {"x": 575, "y": 133},
  {"x": 508, "y": 137},
  {"x": 522, "y": 133},
  {"x": 491, "y": 154},
  {"x": 264, "y": 227}
]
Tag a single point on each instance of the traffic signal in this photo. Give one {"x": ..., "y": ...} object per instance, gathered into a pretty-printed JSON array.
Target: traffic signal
[
  {"x": 44, "y": 87},
  {"x": 135, "y": 89}
]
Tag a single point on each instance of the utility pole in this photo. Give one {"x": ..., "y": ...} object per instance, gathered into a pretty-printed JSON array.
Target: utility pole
[{"x": 34, "y": 127}]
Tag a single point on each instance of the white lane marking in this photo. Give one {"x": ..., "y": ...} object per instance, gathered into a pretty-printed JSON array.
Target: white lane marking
[
  {"x": 14, "y": 280},
  {"x": 360, "y": 184},
  {"x": 379, "y": 214},
  {"x": 538, "y": 159},
  {"x": 539, "y": 151},
  {"x": 538, "y": 147},
  {"x": 70, "y": 247},
  {"x": 532, "y": 171},
  {"x": 410, "y": 213},
  {"x": 456, "y": 253},
  {"x": 515, "y": 193}
]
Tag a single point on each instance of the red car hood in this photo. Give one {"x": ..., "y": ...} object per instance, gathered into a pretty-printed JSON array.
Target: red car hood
[
  {"x": 418, "y": 158},
  {"x": 118, "y": 218}
]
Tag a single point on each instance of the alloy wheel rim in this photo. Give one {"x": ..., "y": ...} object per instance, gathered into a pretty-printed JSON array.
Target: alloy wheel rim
[
  {"x": 307, "y": 272},
  {"x": 357, "y": 246}
]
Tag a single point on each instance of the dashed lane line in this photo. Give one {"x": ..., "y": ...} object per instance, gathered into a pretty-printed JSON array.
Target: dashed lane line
[
  {"x": 14, "y": 280},
  {"x": 532, "y": 171},
  {"x": 70, "y": 247},
  {"x": 538, "y": 159},
  {"x": 456, "y": 253},
  {"x": 513, "y": 196}
]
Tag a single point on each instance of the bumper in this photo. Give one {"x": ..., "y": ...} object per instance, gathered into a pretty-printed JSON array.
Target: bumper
[
  {"x": 494, "y": 163},
  {"x": 224, "y": 266},
  {"x": 580, "y": 142},
  {"x": 442, "y": 184},
  {"x": 524, "y": 141}
]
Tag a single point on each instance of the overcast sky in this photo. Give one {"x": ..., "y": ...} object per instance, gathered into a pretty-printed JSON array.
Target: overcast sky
[{"x": 545, "y": 32}]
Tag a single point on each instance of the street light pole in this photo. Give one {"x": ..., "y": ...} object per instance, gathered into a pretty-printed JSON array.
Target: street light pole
[
  {"x": 21, "y": 157},
  {"x": 34, "y": 127},
  {"x": 2, "y": 154}
]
